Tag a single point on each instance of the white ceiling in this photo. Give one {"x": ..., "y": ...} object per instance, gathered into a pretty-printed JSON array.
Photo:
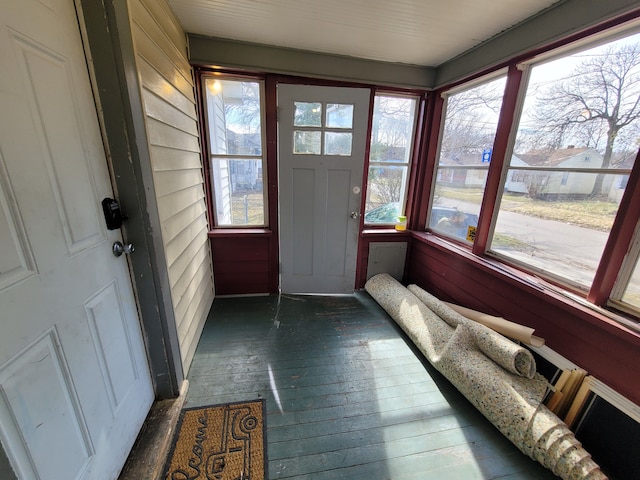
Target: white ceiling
[{"x": 417, "y": 32}]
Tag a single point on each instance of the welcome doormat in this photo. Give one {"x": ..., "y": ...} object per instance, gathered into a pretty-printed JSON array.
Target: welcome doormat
[{"x": 221, "y": 442}]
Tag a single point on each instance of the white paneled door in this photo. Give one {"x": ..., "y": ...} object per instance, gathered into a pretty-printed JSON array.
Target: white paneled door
[
  {"x": 321, "y": 142},
  {"x": 74, "y": 382}
]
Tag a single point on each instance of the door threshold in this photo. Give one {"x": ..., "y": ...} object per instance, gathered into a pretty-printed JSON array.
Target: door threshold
[{"x": 149, "y": 453}]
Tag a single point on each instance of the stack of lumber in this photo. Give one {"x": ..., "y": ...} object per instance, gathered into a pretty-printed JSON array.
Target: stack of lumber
[{"x": 569, "y": 395}]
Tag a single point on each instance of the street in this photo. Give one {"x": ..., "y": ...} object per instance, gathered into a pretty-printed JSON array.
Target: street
[{"x": 563, "y": 249}]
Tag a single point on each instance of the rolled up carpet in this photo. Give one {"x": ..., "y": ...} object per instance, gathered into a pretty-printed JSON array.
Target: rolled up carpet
[
  {"x": 501, "y": 350},
  {"x": 510, "y": 401}
]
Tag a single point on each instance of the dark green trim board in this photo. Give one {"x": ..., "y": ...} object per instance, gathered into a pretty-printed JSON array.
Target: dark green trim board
[
  {"x": 107, "y": 37},
  {"x": 210, "y": 51},
  {"x": 565, "y": 18}
]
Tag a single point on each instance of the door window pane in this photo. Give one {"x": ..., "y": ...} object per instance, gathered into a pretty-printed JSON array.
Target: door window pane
[
  {"x": 307, "y": 114},
  {"x": 389, "y": 158},
  {"x": 575, "y": 145},
  {"x": 337, "y": 143},
  {"x": 339, "y": 116},
  {"x": 465, "y": 151},
  {"x": 306, "y": 142}
]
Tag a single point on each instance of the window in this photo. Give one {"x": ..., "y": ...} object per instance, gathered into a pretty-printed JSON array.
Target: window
[
  {"x": 470, "y": 120},
  {"x": 570, "y": 153},
  {"x": 390, "y": 153},
  {"x": 573, "y": 149},
  {"x": 234, "y": 116}
]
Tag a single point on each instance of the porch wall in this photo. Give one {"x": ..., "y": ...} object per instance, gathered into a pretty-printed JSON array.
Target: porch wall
[
  {"x": 605, "y": 349},
  {"x": 167, "y": 92}
]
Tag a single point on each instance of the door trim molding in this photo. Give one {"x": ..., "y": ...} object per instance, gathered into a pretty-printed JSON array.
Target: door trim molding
[{"x": 106, "y": 31}]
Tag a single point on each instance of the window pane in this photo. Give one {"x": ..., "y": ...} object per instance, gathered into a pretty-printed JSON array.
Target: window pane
[
  {"x": 456, "y": 203},
  {"x": 307, "y": 143},
  {"x": 392, "y": 130},
  {"x": 575, "y": 145},
  {"x": 307, "y": 114},
  {"x": 238, "y": 191},
  {"x": 468, "y": 134},
  {"x": 337, "y": 143},
  {"x": 453, "y": 222},
  {"x": 339, "y": 116},
  {"x": 563, "y": 235},
  {"x": 632, "y": 292},
  {"x": 391, "y": 142},
  {"x": 234, "y": 129},
  {"x": 234, "y": 117},
  {"x": 385, "y": 194}
]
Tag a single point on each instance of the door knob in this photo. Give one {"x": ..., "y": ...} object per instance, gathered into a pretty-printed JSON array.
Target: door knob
[
  {"x": 118, "y": 248},
  {"x": 354, "y": 215}
]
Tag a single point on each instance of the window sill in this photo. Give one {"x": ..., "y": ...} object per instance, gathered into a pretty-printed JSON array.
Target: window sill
[
  {"x": 617, "y": 324},
  {"x": 239, "y": 232},
  {"x": 367, "y": 232}
]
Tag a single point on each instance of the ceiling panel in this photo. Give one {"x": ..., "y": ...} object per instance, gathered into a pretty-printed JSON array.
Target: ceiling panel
[{"x": 418, "y": 32}]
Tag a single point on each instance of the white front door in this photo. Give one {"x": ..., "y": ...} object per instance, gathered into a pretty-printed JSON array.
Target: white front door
[
  {"x": 322, "y": 143},
  {"x": 75, "y": 386}
]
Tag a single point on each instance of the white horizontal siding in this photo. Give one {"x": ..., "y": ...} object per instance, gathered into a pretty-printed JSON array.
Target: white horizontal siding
[
  {"x": 167, "y": 159},
  {"x": 172, "y": 132},
  {"x": 176, "y": 202},
  {"x": 158, "y": 109},
  {"x": 164, "y": 135},
  {"x": 169, "y": 182},
  {"x": 176, "y": 224}
]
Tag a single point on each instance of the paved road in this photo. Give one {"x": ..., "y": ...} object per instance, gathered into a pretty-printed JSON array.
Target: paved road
[{"x": 564, "y": 249}]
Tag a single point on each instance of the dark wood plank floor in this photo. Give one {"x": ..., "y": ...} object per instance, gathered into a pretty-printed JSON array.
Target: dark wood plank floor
[{"x": 347, "y": 396}]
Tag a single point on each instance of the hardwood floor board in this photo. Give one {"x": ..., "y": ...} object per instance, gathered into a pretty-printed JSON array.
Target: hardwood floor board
[
  {"x": 303, "y": 407},
  {"x": 440, "y": 416},
  {"x": 447, "y": 444},
  {"x": 212, "y": 365},
  {"x": 317, "y": 375},
  {"x": 361, "y": 413},
  {"x": 347, "y": 395},
  {"x": 424, "y": 433},
  {"x": 345, "y": 411},
  {"x": 384, "y": 388},
  {"x": 412, "y": 379},
  {"x": 356, "y": 358},
  {"x": 406, "y": 371},
  {"x": 392, "y": 354},
  {"x": 309, "y": 352}
]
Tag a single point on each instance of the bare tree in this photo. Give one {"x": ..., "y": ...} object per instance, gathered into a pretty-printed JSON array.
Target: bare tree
[
  {"x": 598, "y": 100},
  {"x": 468, "y": 128}
]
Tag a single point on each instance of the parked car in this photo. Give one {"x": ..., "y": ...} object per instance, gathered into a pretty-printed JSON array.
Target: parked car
[
  {"x": 388, "y": 214},
  {"x": 451, "y": 221},
  {"x": 384, "y": 214}
]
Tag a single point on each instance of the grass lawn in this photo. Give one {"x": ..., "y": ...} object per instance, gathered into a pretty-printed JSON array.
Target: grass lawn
[{"x": 593, "y": 214}]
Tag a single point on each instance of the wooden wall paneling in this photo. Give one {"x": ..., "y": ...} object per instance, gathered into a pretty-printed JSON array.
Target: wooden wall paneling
[
  {"x": 241, "y": 264},
  {"x": 363, "y": 251},
  {"x": 597, "y": 348}
]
